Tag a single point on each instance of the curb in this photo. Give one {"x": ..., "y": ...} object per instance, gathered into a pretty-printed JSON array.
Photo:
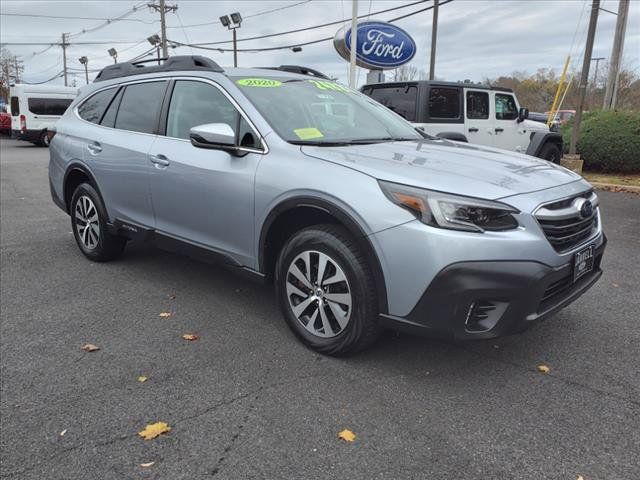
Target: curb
[{"x": 613, "y": 187}]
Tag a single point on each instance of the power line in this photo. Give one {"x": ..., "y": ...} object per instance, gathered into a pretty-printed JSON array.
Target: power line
[
  {"x": 264, "y": 12},
  {"x": 57, "y": 75},
  {"x": 109, "y": 21},
  {"x": 285, "y": 47},
  {"x": 260, "y": 37}
]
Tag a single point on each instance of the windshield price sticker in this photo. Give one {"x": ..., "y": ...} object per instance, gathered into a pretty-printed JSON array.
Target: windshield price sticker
[
  {"x": 308, "y": 133},
  {"x": 259, "y": 82},
  {"x": 330, "y": 86}
]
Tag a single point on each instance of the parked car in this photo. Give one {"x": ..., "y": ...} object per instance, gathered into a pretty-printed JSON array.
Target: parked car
[
  {"x": 36, "y": 108},
  {"x": 563, "y": 116},
  {"x": 468, "y": 112},
  {"x": 5, "y": 122},
  {"x": 361, "y": 221},
  {"x": 542, "y": 118}
]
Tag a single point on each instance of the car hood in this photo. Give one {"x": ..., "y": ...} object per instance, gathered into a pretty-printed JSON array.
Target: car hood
[{"x": 452, "y": 167}]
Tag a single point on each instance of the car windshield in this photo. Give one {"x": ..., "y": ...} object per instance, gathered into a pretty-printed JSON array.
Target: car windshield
[{"x": 321, "y": 112}]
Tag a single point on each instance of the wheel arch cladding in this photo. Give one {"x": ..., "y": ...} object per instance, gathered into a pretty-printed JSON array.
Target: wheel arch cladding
[
  {"x": 540, "y": 139},
  {"x": 75, "y": 175},
  {"x": 294, "y": 214}
]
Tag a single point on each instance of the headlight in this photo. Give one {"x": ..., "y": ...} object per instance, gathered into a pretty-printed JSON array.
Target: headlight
[{"x": 451, "y": 211}]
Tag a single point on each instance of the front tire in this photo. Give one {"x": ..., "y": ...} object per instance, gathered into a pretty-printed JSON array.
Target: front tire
[
  {"x": 89, "y": 225},
  {"x": 326, "y": 291},
  {"x": 550, "y": 152}
]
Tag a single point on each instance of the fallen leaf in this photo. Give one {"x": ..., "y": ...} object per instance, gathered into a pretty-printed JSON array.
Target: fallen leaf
[
  {"x": 153, "y": 430},
  {"x": 90, "y": 347},
  {"x": 63, "y": 432},
  {"x": 580, "y": 477},
  {"x": 165, "y": 314},
  {"x": 615, "y": 285},
  {"x": 146, "y": 465},
  {"x": 347, "y": 435},
  {"x": 543, "y": 369},
  {"x": 142, "y": 379},
  {"x": 192, "y": 337}
]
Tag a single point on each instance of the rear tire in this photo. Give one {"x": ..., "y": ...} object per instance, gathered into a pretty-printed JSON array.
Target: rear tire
[
  {"x": 43, "y": 141},
  {"x": 89, "y": 225},
  {"x": 550, "y": 152},
  {"x": 330, "y": 300}
]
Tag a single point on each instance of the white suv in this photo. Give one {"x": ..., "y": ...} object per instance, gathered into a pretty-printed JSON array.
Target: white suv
[{"x": 468, "y": 112}]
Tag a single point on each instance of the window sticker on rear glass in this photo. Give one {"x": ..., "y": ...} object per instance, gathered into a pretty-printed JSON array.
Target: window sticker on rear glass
[
  {"x": 259, "y": 82},
  {"x": 308, "y": 133}
]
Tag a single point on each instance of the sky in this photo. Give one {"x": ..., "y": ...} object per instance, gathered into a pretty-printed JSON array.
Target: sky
[{"x": 477, "y": 39}]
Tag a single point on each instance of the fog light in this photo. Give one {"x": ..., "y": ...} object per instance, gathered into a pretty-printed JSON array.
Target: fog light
[{"x": 483, "y": 315}]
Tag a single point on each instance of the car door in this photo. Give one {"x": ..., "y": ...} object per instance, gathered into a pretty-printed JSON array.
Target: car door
[
  {"x": 117, "y": 150},
  {"x": 205, "y": 196},
  {"x": 478, "y": 121},
  {"x": 508, "y": 132}
]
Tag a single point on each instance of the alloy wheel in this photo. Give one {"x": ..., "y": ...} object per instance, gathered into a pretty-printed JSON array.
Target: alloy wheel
[
  {"x": 319, "y": 294},
  {"x": 87, "y": 224}
]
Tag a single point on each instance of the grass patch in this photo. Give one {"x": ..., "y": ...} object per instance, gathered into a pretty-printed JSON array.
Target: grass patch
[{"x": 613, "y": 178}]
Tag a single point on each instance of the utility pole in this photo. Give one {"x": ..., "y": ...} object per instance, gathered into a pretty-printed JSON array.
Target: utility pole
[
  {"x": 595, "y": 73},
  {"x": 163, "y": 8},
  {"x": 584, "y": 75},
  {"x": 434, "y": 37},
  {"x": 354, "y": 43},
  {"x": 64, "y": 57},
  {"x": 611, "y": 91}
]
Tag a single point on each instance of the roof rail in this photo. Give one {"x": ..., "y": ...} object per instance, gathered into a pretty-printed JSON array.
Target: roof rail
[
  {"x": 171, "y": 64},
  {"x": 301, "y": 70}
]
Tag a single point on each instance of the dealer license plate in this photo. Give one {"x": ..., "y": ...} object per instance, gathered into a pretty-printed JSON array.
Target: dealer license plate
[{"x": 583, "y": 262}]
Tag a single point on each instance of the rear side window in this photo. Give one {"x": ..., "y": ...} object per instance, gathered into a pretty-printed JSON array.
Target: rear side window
[
  {"x": 94, "y": 107},
  {"x": 15, "y": 106},
  {"x": 444, "y": 102},
  {"x": 140, "y": 106},
  {"x": 48, "y": 106},
  {"x": 477, "y": 105},
  {"x": 506, "y": 107},
  {"x": 400, "y": 99},
  {"x": 109, "y": 118},
  {"x": 197, "y": 103}
]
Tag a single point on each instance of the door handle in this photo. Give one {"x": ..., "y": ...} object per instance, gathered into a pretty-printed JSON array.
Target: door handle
[
  {"x": 159, "y": 160},
  {"x": 498, "y": 130},
  {"x": 473, "y": 129},
  {"x": 94, "y": 148}
]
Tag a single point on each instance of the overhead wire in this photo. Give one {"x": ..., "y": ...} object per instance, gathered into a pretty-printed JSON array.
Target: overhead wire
[
  {"x": 202, "y": 46},
  {"x": 265, "y": 12},
  {"x": 297, "y": 30}
]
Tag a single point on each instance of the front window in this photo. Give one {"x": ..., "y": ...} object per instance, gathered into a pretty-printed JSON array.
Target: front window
[
  {"x": 506, "y": 108},
  {"x": 307, "y": 111}
]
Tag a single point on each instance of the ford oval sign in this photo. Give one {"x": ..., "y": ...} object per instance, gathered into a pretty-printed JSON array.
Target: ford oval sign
[{"x": 379, "y": 45}]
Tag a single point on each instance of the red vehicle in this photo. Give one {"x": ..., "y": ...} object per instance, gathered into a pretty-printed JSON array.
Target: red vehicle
[{"x": 5, "y": 123}]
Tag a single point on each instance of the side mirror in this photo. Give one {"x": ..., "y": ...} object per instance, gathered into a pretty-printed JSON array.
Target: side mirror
[
  {"x": 523, "y": 114},
  {"x": 213, "y": 135}
]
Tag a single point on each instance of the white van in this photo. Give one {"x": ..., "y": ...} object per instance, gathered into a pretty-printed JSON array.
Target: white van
[{"x": 35, "y": 108}]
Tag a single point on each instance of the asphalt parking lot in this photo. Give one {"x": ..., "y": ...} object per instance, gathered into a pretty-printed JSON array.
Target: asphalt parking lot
[{"x": 248, "y": 401}]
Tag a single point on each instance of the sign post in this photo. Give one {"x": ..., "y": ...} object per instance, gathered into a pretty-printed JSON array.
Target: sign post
[{"x": 352, "y": 47}]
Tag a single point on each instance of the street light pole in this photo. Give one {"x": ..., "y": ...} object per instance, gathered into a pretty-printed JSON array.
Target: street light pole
[
  {"x": 434, "y": 38},
  {"x": 85, "y": 61},
  {"x": 354, "y": 43},
  {"x": 64, "y": 57},
  {"x": 235, "y": 49}
]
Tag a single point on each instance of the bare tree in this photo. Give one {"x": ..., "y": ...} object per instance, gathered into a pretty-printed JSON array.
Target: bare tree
[
  {"x": 407, "y": 73},
  {"x": 11, "y": 69}
]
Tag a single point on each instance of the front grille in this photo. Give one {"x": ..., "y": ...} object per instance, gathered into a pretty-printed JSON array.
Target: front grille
[{"x": 563, "y": 222}]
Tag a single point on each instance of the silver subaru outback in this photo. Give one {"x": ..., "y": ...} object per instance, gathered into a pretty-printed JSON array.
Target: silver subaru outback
[{"x": 362, "y": 222}]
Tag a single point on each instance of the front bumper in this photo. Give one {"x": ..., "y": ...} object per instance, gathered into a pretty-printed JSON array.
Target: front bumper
[{"x": 513, "y": 295}]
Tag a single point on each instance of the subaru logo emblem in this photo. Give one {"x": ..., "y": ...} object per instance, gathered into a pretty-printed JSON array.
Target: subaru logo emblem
[{"x": 586, "y": 209}]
